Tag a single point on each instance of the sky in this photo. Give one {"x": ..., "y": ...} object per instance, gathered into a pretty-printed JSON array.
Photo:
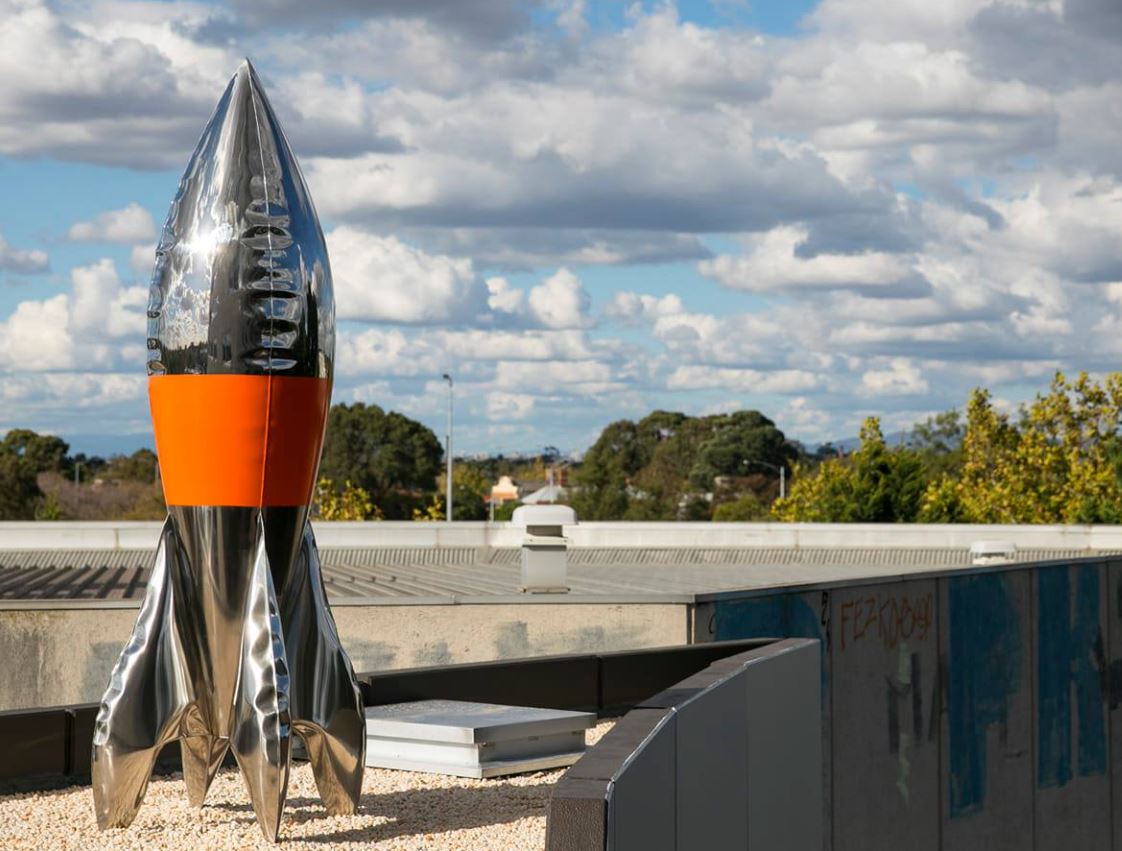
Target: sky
[{"x": 587, "y": 209}]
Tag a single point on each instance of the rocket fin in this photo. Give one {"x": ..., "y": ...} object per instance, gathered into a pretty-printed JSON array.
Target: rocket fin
[
  {"x": 202, "y": 757},
  {"x": 261, "y": 734},
  {"x": 326, "y": 703},
  {"x": 149, "y": 693}
]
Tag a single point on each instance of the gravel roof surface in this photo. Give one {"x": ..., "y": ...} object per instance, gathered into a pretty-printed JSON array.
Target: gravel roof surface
[{"x": 399, "y": 810}]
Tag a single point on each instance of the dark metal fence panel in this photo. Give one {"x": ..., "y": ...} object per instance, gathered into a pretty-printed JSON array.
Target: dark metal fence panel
[
  {"x": 790, "y": 615},
  {"x": 35, "y": 745},
  {"x": 711, "y": 750},
  {"x": 885, "y": 740},
  {"x": 51, "y": 746},
  {"x": 1114, "y": 693},
  {"x": 556, "y": 682},
  {"x": 784, "y": 762},
  {"x": 1011, "y": 742},
  {"x": 642, "y": 804},
  {"x": 728, "y": 758}
]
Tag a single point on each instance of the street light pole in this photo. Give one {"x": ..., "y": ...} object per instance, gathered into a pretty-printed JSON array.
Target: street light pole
[
  {"x": 448, "y": 455},
  {"x": 782, "y": 474}
]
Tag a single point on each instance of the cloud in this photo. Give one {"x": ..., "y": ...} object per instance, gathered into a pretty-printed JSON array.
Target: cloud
[
  {"x": 585, "y": 221},
  {"x": 529, "y": 248},
  {"x": 546, "y": 156},
  {"x": 774, "y": 263},
  {"x": 900, "y": 378},
  {"x": 128, "y": 226},
  {"x": 89, "y": 327},
  {"x": 117, "y": 89},
  {"x": 741, "y": 380},
  {"x": 560, "y": 302},
  {"x": 509, "y": 406},
  {"x": 36, "y": 336},
  {"x": 632, "y": 308},
  {"x": 381, "y": 279},
  {"x": 24, "y": 261},
  {"x": 142, "y": 260},
  {"x": 486, "y": 19}
]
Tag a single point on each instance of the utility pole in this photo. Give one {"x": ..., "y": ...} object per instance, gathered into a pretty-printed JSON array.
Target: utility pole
[
  {"x": 782, "y": 474},
  {"x": 77, "y": 467},
  {"x": 448, "y": 455}
]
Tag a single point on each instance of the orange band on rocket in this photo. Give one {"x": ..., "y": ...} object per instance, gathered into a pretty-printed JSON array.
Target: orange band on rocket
[{"x": 263, "y": 450}]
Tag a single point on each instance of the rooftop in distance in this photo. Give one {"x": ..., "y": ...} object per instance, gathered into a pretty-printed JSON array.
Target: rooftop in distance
[{"x": 402, "y": 563}]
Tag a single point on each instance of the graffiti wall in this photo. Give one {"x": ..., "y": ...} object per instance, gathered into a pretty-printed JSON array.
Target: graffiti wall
[{"x": 966, "y": 710}]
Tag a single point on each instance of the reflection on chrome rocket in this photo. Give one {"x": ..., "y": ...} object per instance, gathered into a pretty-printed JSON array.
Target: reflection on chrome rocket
[{"x": 235, "y": 647}]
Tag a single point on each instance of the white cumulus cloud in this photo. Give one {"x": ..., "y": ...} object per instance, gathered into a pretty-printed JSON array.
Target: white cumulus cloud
[{"x": 131, "y": 225}]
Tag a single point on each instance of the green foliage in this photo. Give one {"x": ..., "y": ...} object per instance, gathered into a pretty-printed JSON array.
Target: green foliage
[
  {"x": 348, "y": 503},
  {"x": 737, "y": 440},
  {"x": 470, "y": 489},
  {"x": 745, "y": 508},
  {"x": 648, "y": 470},
  {"x": 393, "y": 458},
  {"x": 1058, "y": 464},
  {"x": 50, "y": 509},
  {"x": 604, "y": 473},
  {"x": 876, "y": 484},
  {"x": 19, "y": 490},
  {"x": 138, "y": 467},
  {"x": 433, "y": 511},
  {"x": 938, "y": 442},
  {"x": 44, "y": 452},
  {"x": 505, "y": 512}
]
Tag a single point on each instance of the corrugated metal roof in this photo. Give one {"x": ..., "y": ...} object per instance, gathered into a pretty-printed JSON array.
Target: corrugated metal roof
[{"x": 414, "y": 572}]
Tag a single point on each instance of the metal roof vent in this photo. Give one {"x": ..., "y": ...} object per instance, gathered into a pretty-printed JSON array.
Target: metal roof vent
[
  {"x": 545, "y": 557},
  {"x": 993, "y": 552}
]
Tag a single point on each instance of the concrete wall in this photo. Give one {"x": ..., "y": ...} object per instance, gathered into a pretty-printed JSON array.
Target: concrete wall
[
  {"x": 978, "y": 710},
  {"x": 63, "y": 655},
  {"x": 138, "y": 535}
]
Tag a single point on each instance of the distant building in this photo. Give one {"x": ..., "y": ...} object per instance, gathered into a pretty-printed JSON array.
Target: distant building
[
  {"x": 544, "y": 495},
  {"x": 533, "y": 491},
  {"x": 505, "y": 491}
]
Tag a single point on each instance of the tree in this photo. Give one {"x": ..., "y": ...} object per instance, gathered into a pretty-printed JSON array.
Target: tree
[
  {"x": 19, "y": 492},
  {"x": 1058, "y": 464},
  {"x": 737, "y": 439},
  {"x": 44, "y": 452},
  {"x": 432, "y": 511},
  {"x": 470, "y": 490},
  {"x": 138, "y": 467},
  {"x": 649, "y": 470},
  {"x": 605, "y": 470},
  {"x": 938, "y": 440},
  {"x": 876, "y": 484},
  {"x": 745, "y": 508},
  {"x": 393, "y": 458},
  {"x": 348, "y": 503}
]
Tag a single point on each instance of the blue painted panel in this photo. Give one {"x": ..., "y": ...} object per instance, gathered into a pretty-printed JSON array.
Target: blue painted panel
[
  {"x": 984, "y": 668},
  {"x": 1070, "y": 653},
  {"x": 773, "y": 616}
]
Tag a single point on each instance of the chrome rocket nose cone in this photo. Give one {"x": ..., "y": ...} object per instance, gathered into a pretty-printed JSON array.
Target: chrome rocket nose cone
[{"x": 242, "y": 282}]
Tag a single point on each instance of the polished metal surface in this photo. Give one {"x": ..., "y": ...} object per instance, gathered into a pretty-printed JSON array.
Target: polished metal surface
[
  {"x": 150, "y": 692},
  {"x": 242, "y": 282},
  {"x": 235, "y": 648},
  {"x": 324, "y": 699}
]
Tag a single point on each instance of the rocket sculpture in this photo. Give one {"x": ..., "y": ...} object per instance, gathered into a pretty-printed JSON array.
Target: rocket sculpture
[{"x": 235, "y": 647}]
